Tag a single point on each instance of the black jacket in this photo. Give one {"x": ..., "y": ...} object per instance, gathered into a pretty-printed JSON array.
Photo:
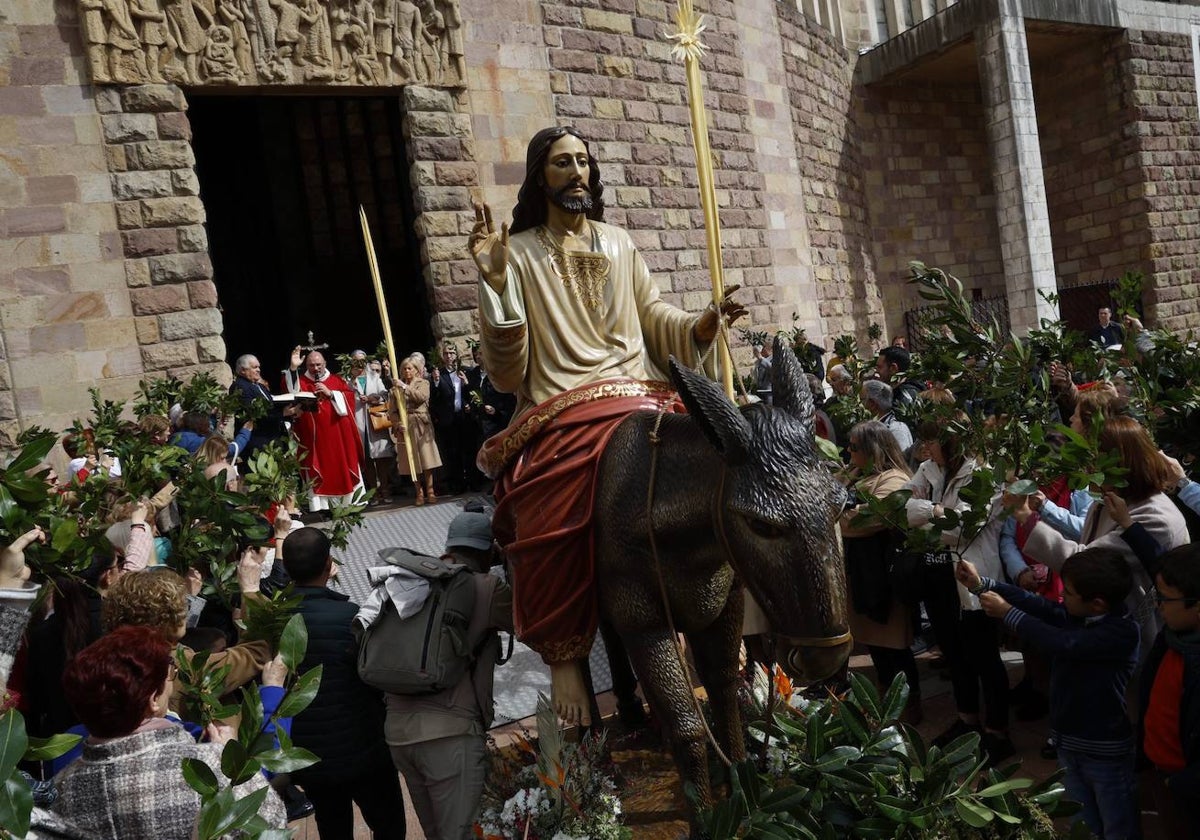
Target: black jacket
[
  {"x": 267, "y": 428},
  {"x": 50, "y": 713},
  {"x": 505, "y": 405},
  {"x": 344, "y": 723}
]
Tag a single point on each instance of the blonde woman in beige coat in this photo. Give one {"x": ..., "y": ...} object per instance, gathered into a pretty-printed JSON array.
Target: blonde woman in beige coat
[
  {"x": 415, "y": 391},
  {"x": 878, "y": 619}
]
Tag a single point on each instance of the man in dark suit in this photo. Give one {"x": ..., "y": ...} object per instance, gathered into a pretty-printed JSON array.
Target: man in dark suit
[
  {"x": 453, "y": 425},
  {"x": 252, "y": 388},
  {"x": 495, "y": 407}
]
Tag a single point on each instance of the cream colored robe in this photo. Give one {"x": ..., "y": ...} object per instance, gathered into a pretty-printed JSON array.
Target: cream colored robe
[{"x": 540, "y": 340}]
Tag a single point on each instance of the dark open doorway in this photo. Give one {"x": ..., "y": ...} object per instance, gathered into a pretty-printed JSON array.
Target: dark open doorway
[{"x": 282, "y": 178}]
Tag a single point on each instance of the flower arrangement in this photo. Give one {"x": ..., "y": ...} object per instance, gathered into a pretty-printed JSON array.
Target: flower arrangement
[{"x": 551, "y": 791}]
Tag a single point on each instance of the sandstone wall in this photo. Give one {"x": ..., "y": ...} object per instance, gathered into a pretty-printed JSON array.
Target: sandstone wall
[
  {"x": 820, "y": 93},
  {"x": 1090, "y": 165},
  {"x": 1161, "y": 96},
  {"x": 66, "y": 321},
  {"x": 929, "y": 188}
]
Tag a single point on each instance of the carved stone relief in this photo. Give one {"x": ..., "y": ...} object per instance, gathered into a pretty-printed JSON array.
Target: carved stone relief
[{"x": 265, "y": 42}]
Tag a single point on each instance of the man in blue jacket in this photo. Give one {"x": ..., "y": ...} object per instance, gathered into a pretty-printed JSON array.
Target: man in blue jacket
[{"x": 344, "y": 724}]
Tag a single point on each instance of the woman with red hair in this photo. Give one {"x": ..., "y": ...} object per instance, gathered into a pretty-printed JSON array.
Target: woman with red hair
[
  {"x": 1146, "y": 477},
  {"x": 128, "y": 782}
]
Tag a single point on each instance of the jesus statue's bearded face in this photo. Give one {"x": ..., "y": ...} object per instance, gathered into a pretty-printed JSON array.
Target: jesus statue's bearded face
[{"x": 566, "y": 174}]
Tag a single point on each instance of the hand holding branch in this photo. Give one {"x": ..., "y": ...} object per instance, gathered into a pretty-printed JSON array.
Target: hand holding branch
[{"x": 706, "y": 328}]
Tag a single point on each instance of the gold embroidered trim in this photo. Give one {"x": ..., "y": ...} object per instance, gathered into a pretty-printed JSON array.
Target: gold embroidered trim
[
  {"x": 530, "y": 424},
  {"x": 504, "y": 336},
  {"x": 575, "y": 647},
  {"x": 583, "y": 272}
]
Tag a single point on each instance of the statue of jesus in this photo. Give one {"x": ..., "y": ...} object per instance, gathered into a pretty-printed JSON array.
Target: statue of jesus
[{"x": 573, "y": 324}]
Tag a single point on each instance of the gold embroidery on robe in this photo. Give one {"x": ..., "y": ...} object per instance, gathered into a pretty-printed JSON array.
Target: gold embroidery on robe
[{"x": 584, "y": 272}]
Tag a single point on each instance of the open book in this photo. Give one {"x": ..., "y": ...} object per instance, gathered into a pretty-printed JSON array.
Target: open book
[{"x": 299, "y": 396}]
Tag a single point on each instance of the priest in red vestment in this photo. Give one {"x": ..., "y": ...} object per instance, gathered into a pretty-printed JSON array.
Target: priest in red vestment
[{"x": 331, "y": 451}]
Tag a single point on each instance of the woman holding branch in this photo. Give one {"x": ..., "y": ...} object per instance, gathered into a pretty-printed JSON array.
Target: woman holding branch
[{"x": 414, "y": 390}]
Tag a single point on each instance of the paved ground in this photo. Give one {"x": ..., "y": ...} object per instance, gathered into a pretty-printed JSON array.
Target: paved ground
[{"x": 518, "y": 682}]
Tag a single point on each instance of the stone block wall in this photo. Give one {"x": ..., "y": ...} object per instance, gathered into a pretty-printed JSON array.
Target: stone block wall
[
  {"x": 1089, "y": 159},
  {"x": 66, "y": 322},
  {"x": 612, "y": 76},
  {"x": 437, "y": 132},
  {"x": 929, "y": 188},
  {"x": 161, "y": 217},
  {"x": 831, "y": 166},
  {"x": 1161, "y": 98}
]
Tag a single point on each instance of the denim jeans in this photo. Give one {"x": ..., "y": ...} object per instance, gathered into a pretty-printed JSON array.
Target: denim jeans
[{"x": 1107, "y": 790}]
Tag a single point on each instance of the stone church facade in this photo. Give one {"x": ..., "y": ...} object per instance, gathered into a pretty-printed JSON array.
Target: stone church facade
[{"x": 1024, "y": 145}]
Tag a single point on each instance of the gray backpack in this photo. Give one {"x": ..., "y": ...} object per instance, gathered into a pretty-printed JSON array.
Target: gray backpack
[{"x": 429, "y": 651}]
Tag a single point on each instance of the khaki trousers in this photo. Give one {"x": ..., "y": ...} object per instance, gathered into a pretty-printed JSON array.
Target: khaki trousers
[{"x": 445, "y": 780}]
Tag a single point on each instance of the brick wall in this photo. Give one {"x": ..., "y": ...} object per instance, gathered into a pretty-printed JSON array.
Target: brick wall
[
  {"x": 1090, "y": 166},
  {"x": 1161, "y": 100},
  {"x": 612, "y": 76},
  {"x": 65, "y": 317},
  {"x": 929, "y": 188},
  {"x": 820, "y": 94}
]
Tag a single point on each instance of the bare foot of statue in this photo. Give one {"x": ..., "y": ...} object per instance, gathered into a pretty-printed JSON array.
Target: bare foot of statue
[{"x": 569, "y": 694}]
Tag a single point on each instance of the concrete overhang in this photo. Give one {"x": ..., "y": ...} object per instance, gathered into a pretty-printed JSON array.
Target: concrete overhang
[{"x": 940, "y": 46}]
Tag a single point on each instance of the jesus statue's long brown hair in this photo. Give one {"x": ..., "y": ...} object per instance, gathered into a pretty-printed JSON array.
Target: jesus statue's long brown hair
[{"x": 531, "y": 200}]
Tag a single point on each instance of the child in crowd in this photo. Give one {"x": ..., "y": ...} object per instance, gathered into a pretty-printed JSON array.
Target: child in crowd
[
  {"x": 1171, "y": 696},
  {"x": 1093, "y": 642}
]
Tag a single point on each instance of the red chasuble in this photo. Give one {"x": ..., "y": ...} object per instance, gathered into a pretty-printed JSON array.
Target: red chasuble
[{"x": 332, "y": 449}]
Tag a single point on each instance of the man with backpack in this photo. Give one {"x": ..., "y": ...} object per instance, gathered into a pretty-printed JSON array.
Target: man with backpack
[
  {"x": 429, "y": 641},
  {"x": 343, "y": 725}
]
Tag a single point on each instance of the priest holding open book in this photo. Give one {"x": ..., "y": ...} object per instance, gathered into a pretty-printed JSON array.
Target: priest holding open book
[{"x": 331, "y": 451}]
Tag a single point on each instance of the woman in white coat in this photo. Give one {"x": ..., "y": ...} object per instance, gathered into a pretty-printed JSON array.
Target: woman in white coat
[
  {"x": 969, "y": 640},
  {"x": 379, "y": 455}
]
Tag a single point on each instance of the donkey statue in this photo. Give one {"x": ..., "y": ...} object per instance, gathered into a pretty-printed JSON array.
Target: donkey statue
[{"x": 739, "y": 499}]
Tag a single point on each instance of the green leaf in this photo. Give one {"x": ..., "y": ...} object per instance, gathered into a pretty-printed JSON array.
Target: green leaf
[
  {"x": 287, "y": 761},
  {"x": 302, "y": 693},
  {"x": 972, "y": 813},
  {"x": 236, "y": 763},
  {"x": 32, "y": 454},
  {"x": 836, "y": 759},
  {"x": 46, "y": 749},
  {"x": 294, "y": 643},
  {"x": 1024, "y": 487},
  {"x": 200, "y": 777},
  {"x": 16, "y": 804},
  {"x": 1004, "y": 787},
  {"x": 784, "y": 799},
  {"x": 13, "y": 742}
]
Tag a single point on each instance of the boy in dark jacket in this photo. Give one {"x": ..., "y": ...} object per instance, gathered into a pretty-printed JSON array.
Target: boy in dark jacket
[
  {"x": 1093, "y": 642},
  {"x": 344, "y": 724},
  {"x": 1171, "y": 696}
]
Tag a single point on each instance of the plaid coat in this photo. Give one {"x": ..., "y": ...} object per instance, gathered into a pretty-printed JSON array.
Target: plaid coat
[{"x": 133, "y": 787}]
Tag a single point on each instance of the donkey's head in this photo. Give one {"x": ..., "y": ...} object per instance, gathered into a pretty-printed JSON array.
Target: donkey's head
[{"x": 777, "y": 512}]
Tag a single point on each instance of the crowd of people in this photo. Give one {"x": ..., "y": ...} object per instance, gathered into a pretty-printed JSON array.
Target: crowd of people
[
  {"x": 1101, "y": 588},
  {"x": 1098, "y": 587},
  {"x": 355, "y": 434}
]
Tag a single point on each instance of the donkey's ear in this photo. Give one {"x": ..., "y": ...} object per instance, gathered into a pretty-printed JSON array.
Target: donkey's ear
[
  {"x": 719, "y": 419},
  {"x": 789, "y": 385}
]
